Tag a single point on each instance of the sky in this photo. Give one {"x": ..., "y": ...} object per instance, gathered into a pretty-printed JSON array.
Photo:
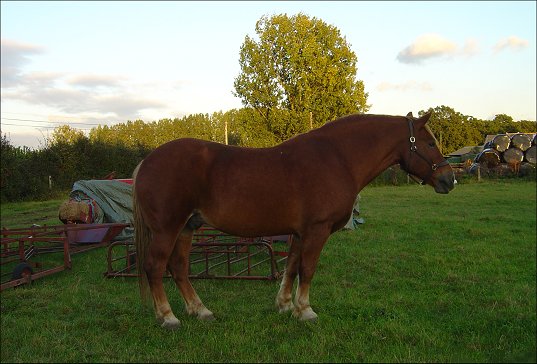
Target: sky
[{"x": 101, "y": 63}]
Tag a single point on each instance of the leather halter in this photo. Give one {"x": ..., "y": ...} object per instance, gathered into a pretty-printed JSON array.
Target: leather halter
[{"x": 414, "y": 150}]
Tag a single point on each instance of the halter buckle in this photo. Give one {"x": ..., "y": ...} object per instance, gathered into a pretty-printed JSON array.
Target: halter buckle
[{"x": 412, "y": 139}]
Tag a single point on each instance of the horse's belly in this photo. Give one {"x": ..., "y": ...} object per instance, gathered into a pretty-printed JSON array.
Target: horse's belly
[{"x": 251, "y": 220}]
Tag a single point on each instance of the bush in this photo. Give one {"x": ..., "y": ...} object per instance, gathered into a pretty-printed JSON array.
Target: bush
[{"x": 36, "y": 174}]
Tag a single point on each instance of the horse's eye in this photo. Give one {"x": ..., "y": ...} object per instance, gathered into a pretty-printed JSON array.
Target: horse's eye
[{"x": 432, "y": 144}]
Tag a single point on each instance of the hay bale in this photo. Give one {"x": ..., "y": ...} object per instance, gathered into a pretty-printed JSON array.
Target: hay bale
[
  {"x": 513, "y": 156},
  {"x": 488, "y": 156},
  {"x": 530, "y": 155},
  {"x": 521, "y": 141},
  {"x": 74, "y": 212},
  {"x": 501, "y": 142}
]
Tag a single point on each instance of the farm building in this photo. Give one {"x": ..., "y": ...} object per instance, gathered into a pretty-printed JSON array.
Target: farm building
[{"x": 464, "y": 154}]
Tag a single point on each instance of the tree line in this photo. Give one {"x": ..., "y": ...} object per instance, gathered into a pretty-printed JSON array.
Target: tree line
[{"x": 70, "y": 155}]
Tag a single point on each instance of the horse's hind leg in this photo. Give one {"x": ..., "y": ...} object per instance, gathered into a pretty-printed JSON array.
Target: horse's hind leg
[
  {"x": 178, "y": 266},
  {"x": 284, "y": 298},
  {"x": 159, "y": 251}
]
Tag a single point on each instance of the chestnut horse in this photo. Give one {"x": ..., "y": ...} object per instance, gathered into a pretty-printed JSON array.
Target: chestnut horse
[{"x": 305, "y": 186}]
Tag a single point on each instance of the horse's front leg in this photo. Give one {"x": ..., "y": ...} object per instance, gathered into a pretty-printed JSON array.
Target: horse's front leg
[
  {"x": 312, "y": 243},
  {"x": 178, "y": 266},
  {"x": 284, "y": 297}
]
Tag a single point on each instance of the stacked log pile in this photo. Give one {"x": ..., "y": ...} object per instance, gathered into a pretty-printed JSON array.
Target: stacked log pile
[{"x": 511, "y": 150}]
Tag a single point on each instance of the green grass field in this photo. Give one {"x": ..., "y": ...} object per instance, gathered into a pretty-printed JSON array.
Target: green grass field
[{"x": 427, "y": 278}]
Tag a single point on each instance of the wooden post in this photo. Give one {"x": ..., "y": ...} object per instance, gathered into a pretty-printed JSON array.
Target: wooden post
[
  {"x": 50, "y": 182},
  {"x": 311, "y": 120},
  {"x": 225, "y": 131}
]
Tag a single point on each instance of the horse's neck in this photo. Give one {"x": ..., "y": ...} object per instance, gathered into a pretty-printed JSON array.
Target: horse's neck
[{"x": 372, "y": 147}]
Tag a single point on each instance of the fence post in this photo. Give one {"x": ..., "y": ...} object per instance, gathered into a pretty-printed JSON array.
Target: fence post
[{"x": 225, "y": 130}]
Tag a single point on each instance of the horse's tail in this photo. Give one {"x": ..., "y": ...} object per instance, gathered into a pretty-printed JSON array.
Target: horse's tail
[{"x": 142, "y": 237}]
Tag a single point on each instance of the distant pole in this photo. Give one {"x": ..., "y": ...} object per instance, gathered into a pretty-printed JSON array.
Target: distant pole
[
  {"x": 225, "y": 130},
  {"x": 50, "y": 182},
  {"x": 311, "y": 120}
]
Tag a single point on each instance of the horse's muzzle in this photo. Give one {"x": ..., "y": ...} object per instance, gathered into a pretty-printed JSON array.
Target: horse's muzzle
[{"x": 444, "y": 182}]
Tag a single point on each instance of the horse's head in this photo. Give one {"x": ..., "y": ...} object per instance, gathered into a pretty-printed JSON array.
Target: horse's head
[{"x": 422, "y": 159}]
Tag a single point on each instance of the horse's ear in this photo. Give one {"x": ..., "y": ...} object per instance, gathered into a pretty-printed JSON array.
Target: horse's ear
[
  {"x": 409, "y": 115},
  {"x": 424, "y": 118}
]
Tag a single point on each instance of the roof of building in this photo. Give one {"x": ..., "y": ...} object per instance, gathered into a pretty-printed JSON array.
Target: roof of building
[{"x": 466, "y": 150}]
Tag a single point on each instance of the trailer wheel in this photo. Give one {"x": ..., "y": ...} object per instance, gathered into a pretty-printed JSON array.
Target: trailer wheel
[{"x": 22, "y": 270}]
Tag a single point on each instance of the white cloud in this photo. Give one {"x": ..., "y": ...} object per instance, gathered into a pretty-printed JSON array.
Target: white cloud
[
  {"x": 106, "y": 96},
  {"x": 121, "y": 104},
  {"x": 14, "y": 56},
  {"x": 429, "y": 46},
  {"x": 94, "y": 80},
  {"x": 405, "y": 86},
  {"x": 510, "y": 43},
  {"x": 426, "y": 46}
]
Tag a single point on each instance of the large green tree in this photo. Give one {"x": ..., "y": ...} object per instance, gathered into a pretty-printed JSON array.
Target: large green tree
[
  {"x": 452, "y": 129},
  {"x": 298, "y": 74}
]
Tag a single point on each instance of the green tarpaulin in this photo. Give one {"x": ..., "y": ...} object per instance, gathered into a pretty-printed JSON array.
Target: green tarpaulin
[{"x": 114, "y": 199}]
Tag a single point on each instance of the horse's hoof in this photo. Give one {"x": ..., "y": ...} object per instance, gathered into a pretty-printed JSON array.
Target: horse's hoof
[
  {"x": 306, "y": 315},
  {"x": 285, "y": 307},
  {"x": 171, "y": 324},
  {"x": 206, "y": 315}
]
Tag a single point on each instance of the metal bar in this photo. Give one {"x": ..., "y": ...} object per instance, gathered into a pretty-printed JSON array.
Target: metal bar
[
  {"x": 30, "y": 278},
  {"x": 250, "y": 266},
  {"x": 215, "y": 249},
  {"x": 25, "y": 243}
]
